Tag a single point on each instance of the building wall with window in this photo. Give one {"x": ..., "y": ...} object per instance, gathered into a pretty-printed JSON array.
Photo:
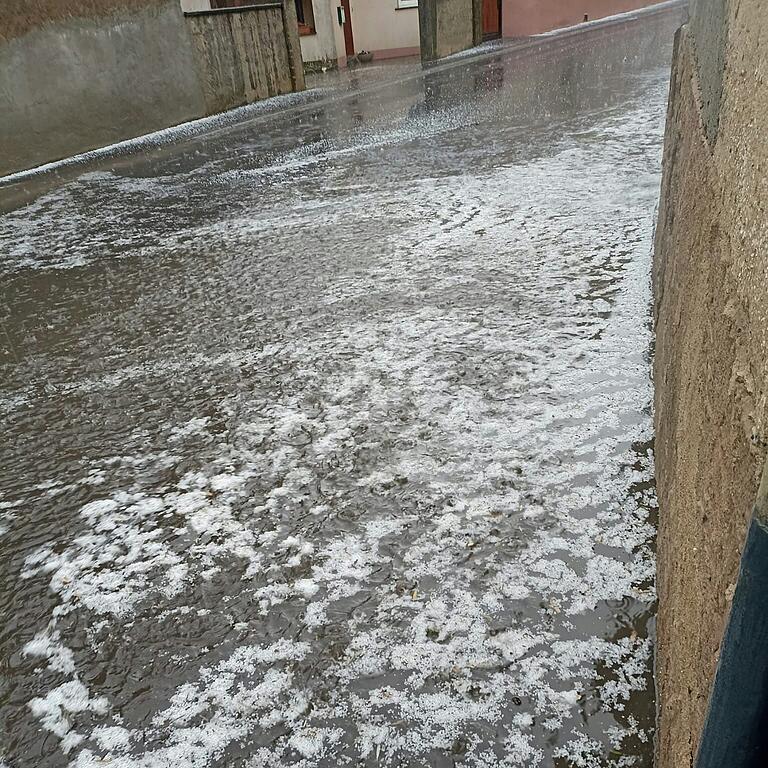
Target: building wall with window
[
  {"x": 322, "y": 37},
  {"x": 388, "y": 28}
]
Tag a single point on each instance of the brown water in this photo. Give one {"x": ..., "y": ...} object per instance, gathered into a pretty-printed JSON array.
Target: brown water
[{"x": 327, "y": 436}]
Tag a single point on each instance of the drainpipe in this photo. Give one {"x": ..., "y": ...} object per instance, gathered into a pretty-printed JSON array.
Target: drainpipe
[{"x": 736, "y": 729}]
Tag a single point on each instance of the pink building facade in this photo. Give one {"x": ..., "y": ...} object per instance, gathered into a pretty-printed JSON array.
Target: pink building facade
[
  {"x": 532, "y": 17},
  {"x": 390, "y": 28}
]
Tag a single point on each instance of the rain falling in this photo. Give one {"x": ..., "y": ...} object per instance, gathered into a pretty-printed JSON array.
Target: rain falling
[{"x": 328, "y": 429}]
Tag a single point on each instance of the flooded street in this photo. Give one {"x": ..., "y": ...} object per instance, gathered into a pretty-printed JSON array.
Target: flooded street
[{"x": 327, "y": 434}]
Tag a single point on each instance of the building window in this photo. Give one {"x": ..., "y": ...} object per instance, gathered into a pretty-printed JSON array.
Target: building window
[
  {"x": 407, "y": 3},
  {"x": 306, "y": 16}
]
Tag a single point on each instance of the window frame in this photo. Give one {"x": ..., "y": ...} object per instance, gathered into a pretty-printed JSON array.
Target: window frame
[{"x": 306, "y": 18}]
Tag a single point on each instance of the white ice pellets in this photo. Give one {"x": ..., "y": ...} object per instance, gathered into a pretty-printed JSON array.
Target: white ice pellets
[{"x": 67, "y": 699}]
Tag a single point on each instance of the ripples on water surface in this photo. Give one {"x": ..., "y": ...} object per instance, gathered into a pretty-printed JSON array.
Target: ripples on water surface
[{"x": 327, "y": 438}]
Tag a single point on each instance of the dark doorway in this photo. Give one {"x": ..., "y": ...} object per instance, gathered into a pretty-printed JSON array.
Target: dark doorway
[
  {"x": 491, "y": 19},
  {"x": 349, "y": 42}
]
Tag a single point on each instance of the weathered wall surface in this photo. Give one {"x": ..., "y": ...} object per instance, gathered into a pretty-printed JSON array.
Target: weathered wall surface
[
  {"x": 455, "y": 27},
  {"x": 78, "y": 82},
  {"x": 88, "y": 73},
  {"x": 448, "y": 26},
  {"x": 241, "y": 57},
  {"x": 711, "y": 367},
  {"x": 22, "y": 16},
  {"x": 531, "y": 17}
]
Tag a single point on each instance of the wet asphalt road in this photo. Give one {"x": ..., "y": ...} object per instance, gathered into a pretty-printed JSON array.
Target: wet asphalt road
[{"x": 327, "y": 435}]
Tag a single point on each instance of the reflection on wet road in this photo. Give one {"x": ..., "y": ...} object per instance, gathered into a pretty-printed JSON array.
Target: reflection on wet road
[{"x": 327, "y": 437}]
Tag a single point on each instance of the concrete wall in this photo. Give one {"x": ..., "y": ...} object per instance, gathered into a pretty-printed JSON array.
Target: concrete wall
[
  {"x": 531, "y": 17},
  {"x": 241, "y": 57},
  {"x": 22, "y": 16},
  {"x": 455, "y": 26},
  {"x": 80, "y": 82},
  {"x": 106, "y": 70},
  {"x": 711, "y": 367},
  {"x": 383, "y": 28},
  {"x": 448, "y": 26}
]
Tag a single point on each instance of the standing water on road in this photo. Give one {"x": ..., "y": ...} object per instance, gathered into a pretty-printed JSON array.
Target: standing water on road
[{"x": 327, "y": 435}]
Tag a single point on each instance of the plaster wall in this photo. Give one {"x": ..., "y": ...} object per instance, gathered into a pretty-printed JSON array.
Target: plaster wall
[
  {"x": 323, "y": 46},
  {"x": 520, "y": 18},
  {"x": 380, "y": 26},
  {"x": 75, "y": 83}
]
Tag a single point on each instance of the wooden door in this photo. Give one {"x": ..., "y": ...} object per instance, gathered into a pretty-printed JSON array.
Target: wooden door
[
  {"x": 491, "y": 18},
  {"x": 349, "y": 42}
]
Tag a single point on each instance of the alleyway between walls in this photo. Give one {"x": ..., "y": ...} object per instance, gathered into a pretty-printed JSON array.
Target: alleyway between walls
[{"x": 328, "y": 435}]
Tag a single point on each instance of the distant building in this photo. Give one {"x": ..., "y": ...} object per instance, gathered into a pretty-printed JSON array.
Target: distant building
[{"x": 334, "y": 31}]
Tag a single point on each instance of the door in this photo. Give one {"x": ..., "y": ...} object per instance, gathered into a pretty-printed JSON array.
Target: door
[
  {"x": 491, "y": 19},
  {"x": 349, "y": 43}
]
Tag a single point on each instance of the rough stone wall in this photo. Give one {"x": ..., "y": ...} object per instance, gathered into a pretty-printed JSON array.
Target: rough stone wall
[
  {"x": 241, "y": 57},
  {"x": 711, "y": 365}
]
